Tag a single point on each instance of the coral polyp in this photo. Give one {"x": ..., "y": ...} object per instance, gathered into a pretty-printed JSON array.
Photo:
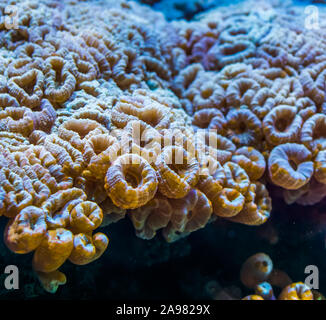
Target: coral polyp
[{"x": 109, "y": 112}]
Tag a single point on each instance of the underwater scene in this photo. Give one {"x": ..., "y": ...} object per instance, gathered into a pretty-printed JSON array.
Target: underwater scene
[{"x": 162, "y": 149}]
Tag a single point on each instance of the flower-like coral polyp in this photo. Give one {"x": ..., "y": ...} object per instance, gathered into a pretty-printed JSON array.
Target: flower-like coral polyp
[
  {"x": 131, "y": 182},
  {"x": 25, "y": 232},
  {"x": 54, "y": 250}
]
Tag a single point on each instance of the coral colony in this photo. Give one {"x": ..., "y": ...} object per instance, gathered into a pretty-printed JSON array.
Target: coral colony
[{"x": 110, "y": 112}]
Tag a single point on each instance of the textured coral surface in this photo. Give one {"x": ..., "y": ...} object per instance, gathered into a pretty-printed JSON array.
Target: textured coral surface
[{"x": 109, "y": 112}]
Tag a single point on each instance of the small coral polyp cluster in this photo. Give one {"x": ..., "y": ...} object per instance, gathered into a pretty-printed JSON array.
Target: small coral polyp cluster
[
  {"x": 78, "y": 79},
  {"x": 258, "y": 273}
]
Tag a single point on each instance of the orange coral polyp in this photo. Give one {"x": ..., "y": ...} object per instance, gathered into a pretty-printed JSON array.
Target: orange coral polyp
[
  {"x": 59, "y": 81},
  {"x": 17, "y": 120},
  {"x": 130, "y": 182},
  {"x": 257, "y": 207},
  {"x": 141, "y": 139},
  {"x": 7, "y": 100},
  {"x": 53, "y": 251},
  {"x": 236, "y": 177},
  {"x": 177, "y": 172},
  {"x": 211, "y": 119},
  {"x": 229, "y": 53},
  {"x": 101, "y": 242},
  {"x": 296, "y": 291},
  {"x": 241, "y": 92},
  {"x": 44, "y": 119},
  {"x": 282, "y": 124},
  {"x": 75, "y": 130},
  {"x": 228, "y": 202},
  {"x": 16, "y": 201},
  {"x": 200, "y": 213},
  {"x": 150, "y": 218},
  {"x": 313, "y": 133},
  {"x": 189, "y": 214},
  {"x": 140, "y": 107},
  {"x": 83, "y": 251},
  {"x": 306, "y": 108},
  {"x": 50, "y": 281},
  {"x": 23, "y": 65},
  {"x": 253, "y": 297},
  {"x": 67, "y": 156},
  {"x": 104, "y": 150},
  {"x": 251, "y": 160},
  {"x": 205, "y": 93},
  {"x": 86, "y": 216},
  {"x": 244, "y": 127},
  {"x": 27, "y": 88},
  {"x": 25, "y": 232},
  {"x": 290, "y": 166},
  {"x": 84, "y": 71},
  {"x": 59, "y": 206},
  {"x": 217, "y": 146}
]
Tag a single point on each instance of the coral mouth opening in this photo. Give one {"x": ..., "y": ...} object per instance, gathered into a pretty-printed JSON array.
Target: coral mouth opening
[
  {"x": 132, "y": 179},
  {"x": 282, "y": 124},
  {"x": 293, "y": 165}
]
